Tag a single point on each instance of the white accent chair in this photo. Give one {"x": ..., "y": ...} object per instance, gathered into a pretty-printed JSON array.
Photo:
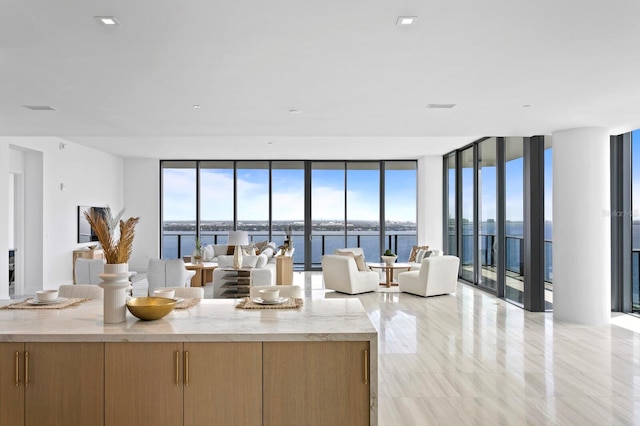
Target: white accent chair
[
  {"x": 341, "y": 274},
  {"x": 168, "y": 273},
  {"x": 88, "y": 270},
  {"x": 292, "y": 291},
  {"x": 81, "y": 291},
  {"x": 437, "y": 275}
]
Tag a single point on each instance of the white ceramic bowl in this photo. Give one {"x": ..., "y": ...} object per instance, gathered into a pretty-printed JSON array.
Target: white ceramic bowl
[
  {"x": 47, "y": 295},
  {"x": 270, "y": 294},
  {"x": 164, "y": 292}
]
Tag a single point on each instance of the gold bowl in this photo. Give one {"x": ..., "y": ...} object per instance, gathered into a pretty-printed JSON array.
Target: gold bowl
[{"x": 150, "y": 308}]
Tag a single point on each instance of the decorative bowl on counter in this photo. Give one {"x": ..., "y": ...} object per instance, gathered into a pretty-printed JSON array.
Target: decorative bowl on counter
[{"x": 150, "y": 308}]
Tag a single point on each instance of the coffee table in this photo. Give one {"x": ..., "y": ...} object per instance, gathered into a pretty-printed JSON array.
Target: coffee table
[
  {"x": 204, "y": 273},
  {"x": 388, "y": 269}
]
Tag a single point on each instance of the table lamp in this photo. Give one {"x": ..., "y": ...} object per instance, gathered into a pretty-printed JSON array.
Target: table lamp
[{"x": 238, "y": 239}]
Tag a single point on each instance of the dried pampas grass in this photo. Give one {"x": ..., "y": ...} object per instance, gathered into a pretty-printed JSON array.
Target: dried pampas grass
[{"x": 114, "y": 251}]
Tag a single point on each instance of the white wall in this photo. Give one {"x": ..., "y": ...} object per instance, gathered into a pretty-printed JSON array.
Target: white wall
[
  {"x": 91, "y": 178},
  {"x": 581, "y": 226},
  {"x": 430, "y": 226},
  {"x": 4, "y": 218},
  {"x": 142, "y": 199}
]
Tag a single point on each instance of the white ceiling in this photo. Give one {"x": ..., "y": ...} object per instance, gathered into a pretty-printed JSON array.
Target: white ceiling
[{"x": 360, "y": 82}]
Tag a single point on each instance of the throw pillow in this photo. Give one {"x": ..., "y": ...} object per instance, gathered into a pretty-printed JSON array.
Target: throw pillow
[
  {"x": 208, "y": 253},
  {"x": 268, "y": 252},
  {"x": 225, "y": 261},
  {"x": 420, "y": 255},
  {"x": 414, "y": 251},
  {"x": 231, "y": 250},
  {"x": 249, "y": 261},
  {"x": 249, "y": 251},
  {"x": 261, "y": 245},
  {"x": 428, "y": 253},
  {"x": 219, "y": 250},
  {"x": 359, "y": 259},
  {"x": 262, "y": 261}
]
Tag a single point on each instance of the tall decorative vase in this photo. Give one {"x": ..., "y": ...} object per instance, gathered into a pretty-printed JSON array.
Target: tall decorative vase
[
  {"x": 237, "y": 258},
  {"x": 115, "y": 282}
]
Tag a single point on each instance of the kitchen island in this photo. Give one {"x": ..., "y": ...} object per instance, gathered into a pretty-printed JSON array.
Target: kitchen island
[{"x": 210, "y": 364}]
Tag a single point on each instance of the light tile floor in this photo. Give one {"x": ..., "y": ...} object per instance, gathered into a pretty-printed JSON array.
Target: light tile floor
[{"x": 472, "y": 359}]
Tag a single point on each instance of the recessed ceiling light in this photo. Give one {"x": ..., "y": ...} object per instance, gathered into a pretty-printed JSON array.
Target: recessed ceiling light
[
  {"x": 526, "y": 106},
  {"x": 406, "y": 20},
  {"x": 270, "y": 143},
  {"x": 107, "y": 20},
  {"x": 440, "y": 106},
  {"x": 197, "y": 107},
  {"x": 294, "y": 111},
  {"x": 39, "y": 107}
]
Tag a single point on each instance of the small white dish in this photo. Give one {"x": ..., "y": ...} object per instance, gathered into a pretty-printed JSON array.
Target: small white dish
[
  {"x": 167, "y": 293},
  {"x": 46, "y": 295},
  {"x": 261, "y": 301},
  {"x": 52, "y": 302},
  {"x": 270, "y": 294}
]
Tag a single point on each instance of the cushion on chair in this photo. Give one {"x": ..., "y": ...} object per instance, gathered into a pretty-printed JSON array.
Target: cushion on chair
[
  {"x": 414, "y": 252},
  {"x": 359, "y": 258}
]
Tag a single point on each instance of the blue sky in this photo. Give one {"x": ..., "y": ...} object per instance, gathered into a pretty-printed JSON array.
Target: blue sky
[{"x": 288, "y": 194}]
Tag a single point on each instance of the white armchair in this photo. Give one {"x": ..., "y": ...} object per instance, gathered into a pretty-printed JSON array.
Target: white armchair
[
  {"x": 341, "y": 274},
  {"x": 168, "y": 273},
  {"x": 437, "y": 275},
  {"x": 88, "y": 270}
]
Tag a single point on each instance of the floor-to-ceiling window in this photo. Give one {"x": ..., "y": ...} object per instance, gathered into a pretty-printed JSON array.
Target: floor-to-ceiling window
[
  {"x": 635, "y": 224},
  {"x": 363, "y": 207},
  {"x": 327, "y": 208},
  {"x": 400, "y": 183},
  {"x": 324, "y": 204},
  {"x": 467, "y": 249},
  {"x": 179, "y": 208},
  {"x": 514, "y": 219},
  {"x": 287, "y": 189},
  {"x": 487, "y": 217},
  {"x": 548, "y": 223},
  {"x": 252, "y": 198},
  {"x": 217, "y": 183},
  {"x": 450, "y": 218}
]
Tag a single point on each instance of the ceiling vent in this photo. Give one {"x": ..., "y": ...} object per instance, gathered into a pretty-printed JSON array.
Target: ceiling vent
[
  {"x": 440, "y": 106},
  {"x": 40, "y": 107}
]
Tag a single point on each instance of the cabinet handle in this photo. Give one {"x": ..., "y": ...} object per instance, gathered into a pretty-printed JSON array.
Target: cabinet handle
[
  {"x": 186, "y": 368},
  {"x": 26, "y": 368},
  {"x": 177, "y": 368},
  {"x": 17, "y": 368},
  {"x": 366, "y": 367}
]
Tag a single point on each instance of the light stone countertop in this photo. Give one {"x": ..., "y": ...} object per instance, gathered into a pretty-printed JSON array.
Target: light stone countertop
[{"x": 210, "y": 321}]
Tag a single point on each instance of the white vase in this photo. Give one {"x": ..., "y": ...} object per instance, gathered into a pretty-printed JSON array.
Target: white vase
[
  {"x": 389, "y": 260},
  {"x": 237, "y": 258},
  {"x": 115, "y": 282}
]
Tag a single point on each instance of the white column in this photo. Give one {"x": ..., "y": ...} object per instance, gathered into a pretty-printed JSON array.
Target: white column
[
  {"x": 4, "y": 220},
  {"x": 581, "y": 226},
  {"x": 430, "y": 227}
]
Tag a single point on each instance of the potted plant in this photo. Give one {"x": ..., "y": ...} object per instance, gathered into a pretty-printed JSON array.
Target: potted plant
[
  {"x": 196, "y": 256},
  {"x": 389, "y": 257},
  {"x": 115, "y": 279}
]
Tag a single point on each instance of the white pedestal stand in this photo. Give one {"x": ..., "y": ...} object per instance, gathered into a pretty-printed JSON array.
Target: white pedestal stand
[{"x": 115, "y": 282}]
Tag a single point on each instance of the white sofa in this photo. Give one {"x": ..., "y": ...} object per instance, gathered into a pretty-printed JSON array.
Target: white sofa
[{"x": 263, "y": 266}]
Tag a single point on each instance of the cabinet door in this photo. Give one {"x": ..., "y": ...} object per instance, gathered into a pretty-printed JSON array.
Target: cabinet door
[
  {"x": 11, "y": 386},
  {"x": 223, "y": 383},
  {"x": 64, "y": 384},
  {"x": 315, "y": 383},
  {"x": 143, "y": 384}
]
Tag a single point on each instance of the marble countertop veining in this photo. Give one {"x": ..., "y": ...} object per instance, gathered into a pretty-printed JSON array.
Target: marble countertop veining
[{"x": 210, "y": 321}]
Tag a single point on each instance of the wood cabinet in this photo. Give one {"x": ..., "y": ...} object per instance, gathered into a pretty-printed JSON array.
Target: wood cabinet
[
  {"x": 191, "y": 383},
  {"x": 224, "y": 383},
  {"x": 85, "y": 254},
  {"x": 12, "y": 383},
  {"x": 57, "y": 384},
  {"x": 316, "y": 383}
]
